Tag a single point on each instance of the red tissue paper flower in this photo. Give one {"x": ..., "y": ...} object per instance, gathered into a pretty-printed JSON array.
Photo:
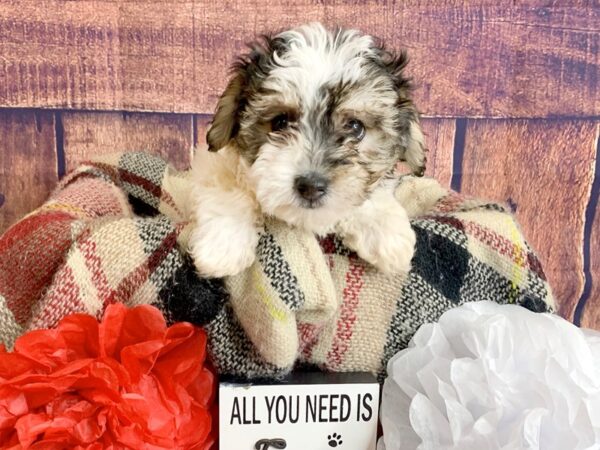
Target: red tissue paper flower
[{"x": 129, "y": 382}]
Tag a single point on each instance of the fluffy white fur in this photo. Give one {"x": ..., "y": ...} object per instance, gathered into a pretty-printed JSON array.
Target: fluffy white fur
[
  {"x": 380, "y": 232},
  {"x": 233, "y": 194},
  {"x": 226, "y": 213}
]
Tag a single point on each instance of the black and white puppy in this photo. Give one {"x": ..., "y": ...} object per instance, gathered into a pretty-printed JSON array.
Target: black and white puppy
[{"x": 309, "y": 131}]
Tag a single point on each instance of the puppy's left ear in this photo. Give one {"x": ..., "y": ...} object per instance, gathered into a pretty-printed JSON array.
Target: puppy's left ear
[{"x": 412, "y": 145}]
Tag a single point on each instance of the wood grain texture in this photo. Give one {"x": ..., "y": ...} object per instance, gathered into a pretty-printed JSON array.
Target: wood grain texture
[
  {"x": 545, "y": 170},
  {"x": 590, "y": 307},
  {"x": 28, "y": 168},
  {"x": 89, "y": 134},
  {"x": 97, "y": 54},
  {"x": 473, "y": 58},
  {"x": 439, "y": 138}
]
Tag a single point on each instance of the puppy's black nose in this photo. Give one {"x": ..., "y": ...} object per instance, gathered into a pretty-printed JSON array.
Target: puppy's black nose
[{"x": 311, "y": 187}]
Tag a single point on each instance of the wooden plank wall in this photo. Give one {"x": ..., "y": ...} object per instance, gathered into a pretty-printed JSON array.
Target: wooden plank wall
[{"x": 510, "y": 90}]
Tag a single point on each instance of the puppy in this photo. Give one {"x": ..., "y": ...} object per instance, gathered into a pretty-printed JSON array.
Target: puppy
[{"x": 309, "y": 131}]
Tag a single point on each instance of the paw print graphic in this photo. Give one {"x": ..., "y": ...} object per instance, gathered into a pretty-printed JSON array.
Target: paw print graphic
[{"x": 334, "y": 440}]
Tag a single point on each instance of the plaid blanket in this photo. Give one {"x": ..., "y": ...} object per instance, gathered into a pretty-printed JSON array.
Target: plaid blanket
[{"x": 116, "y": 230}]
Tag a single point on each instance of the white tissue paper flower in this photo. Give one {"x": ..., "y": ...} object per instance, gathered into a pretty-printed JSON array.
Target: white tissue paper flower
[{"x": 490, "y": 376}]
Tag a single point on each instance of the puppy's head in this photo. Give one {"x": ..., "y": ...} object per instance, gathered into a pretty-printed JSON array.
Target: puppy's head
[{"x": 321, "y": 117}]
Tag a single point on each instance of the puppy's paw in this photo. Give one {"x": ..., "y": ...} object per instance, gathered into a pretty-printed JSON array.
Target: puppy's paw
[
  {"x": 391, "y": 253},
  {"x": 380, "y": 233},
  {"x": 222, "y": 248}
]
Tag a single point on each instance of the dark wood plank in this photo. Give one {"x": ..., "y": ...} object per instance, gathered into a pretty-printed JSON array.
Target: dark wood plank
[
  {"x": 28, "y": 167},
  {"x": 590, "y": 307},
  {"x": 89, "y": 134},
  {"x": 475, "y": 58},
  {"x": 545, "y": 170}
]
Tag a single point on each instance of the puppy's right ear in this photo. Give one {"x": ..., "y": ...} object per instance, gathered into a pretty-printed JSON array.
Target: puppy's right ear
[{"x": 225, "y": 123}]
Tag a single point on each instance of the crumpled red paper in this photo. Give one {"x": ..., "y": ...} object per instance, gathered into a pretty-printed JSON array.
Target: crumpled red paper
[{"x": 128, "y": 382}]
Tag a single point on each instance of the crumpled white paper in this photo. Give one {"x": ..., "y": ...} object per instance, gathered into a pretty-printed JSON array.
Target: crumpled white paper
[{"x": 490, "y": 376}]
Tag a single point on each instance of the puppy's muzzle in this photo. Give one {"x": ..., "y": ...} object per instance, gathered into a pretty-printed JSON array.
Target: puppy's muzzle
[{"x": 311, "y": 187}]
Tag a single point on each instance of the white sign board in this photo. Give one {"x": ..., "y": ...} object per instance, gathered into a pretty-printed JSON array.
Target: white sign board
[{"x": 308, "y": 411}]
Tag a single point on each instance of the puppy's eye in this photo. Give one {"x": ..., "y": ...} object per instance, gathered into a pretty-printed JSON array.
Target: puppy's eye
[
  {"x": 356, "y": 128},
  {"x": 280, "y": 122}
]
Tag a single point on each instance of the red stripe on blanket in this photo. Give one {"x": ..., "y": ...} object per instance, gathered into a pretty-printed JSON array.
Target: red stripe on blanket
[
  {"x": 145, "y": 183},
  {"x": 27, "y": 227},
  {"x": 309, "y": 334},
  {"x": 79, "y": 176},
  {"x": 347, "y": 317},
  {"x": 161, "y": 252},
  {"x": 327, "y": 244},
  {"x": 93, "y": 263},
  {"x": 535, "y": 265},
  {"x": 92, "y": 197},
  {"x": 450, "y": 202},
  {"x": 116, "y": 174},
  {"x": 30, "y": 253},
  {"x": 148, "y": 186},
  {"x": 504, "y": 246},
  {"x": 106, "y": 169},
  {"x": 65, "y": 298},
  {"x": 129, "y": 285},
  {"x": 132, "y": 282}
]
